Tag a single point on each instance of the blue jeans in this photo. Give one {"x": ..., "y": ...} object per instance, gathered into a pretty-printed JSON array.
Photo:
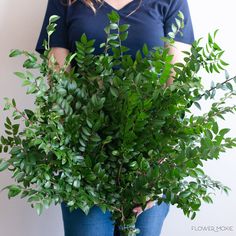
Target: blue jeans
[{"x": 97, "y": 223}]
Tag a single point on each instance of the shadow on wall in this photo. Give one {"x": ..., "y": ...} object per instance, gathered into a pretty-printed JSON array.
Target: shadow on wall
[{"x": 20, "y": 22}]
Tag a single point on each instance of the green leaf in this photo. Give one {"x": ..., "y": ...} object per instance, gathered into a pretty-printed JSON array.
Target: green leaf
[
  {"x": 226, "y": 75},
  {"x": 50, "y": 29},
  {"x": 15, "y": 128},
  {"x": 20, "y": 74},
  {"x": 178, "y": 22},
  {"x": 90, "y": 50},
  {"x": 207, "y": 199},
  {"x": 13, "y": 191},
  {"x": 216, "y": 46},
  {"x": 174, "y": 28},
  {"x": 114, "y": 91},
  {"x": 124, "y": 27},
  {"x": 215, "y": 32},
  {"x": 193, "y": 215},
  {"x": 114, "y": 26},
  {"x": 15, "y": 52},
  {"x": 199, "y": 171},
  {"x": 91, "y": 42},
  {"x": 95, "y": 138},
  {"x": 15, "y": 150},
  {"x": 215, "y": 68},
  {"x": 210, "y": 41},
  {"x": 13, "y": 102},
  {"x": 114, "y": 43},
  {"x": 4, "y": 165},
  {"x": 90, "y": 125},
  {"x": 229, "y": 86},
  {"x": 5, "y": 149},
  {"x": 47, "y": 184},
  {"x": 107, "y": 31},
  {"x": 185, "y": 194},
  {"x": 8, "y": 121},
  {"x": 53, "y": 18},
  {"x": 208, "y": 134},
  {"x": 84, "y": 39},
  {"x": 124, "y": 36},
  {"x": 155, "y": 172},
  {"x": 125, "y": 49},
  {"x": 91, "y": 177},
  {"x": 86, "y": 131},
  {"x": 71, "y": 203},
  {"x": 223, "y": 63},
  {"x": 197, "y": 105},
  {"x": 113, "y": 16},
  {"x": 103, "y": 208},
  {"x": 115, "y": 152},
  {"x": 215, "y": 127},
  {"x": 171, "y": 34},
  {"x": 82, "y": 142},
  {"x": 224, "y": 131},
  {"x": 39, "y": 208},
  {"x": 76, "y": 183},
  {"x": 145, "y": 49},
  {"x": 181, "y": 15}
]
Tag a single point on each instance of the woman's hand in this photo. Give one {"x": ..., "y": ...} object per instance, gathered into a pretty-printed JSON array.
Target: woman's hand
[{"x": 139, "y": 209}]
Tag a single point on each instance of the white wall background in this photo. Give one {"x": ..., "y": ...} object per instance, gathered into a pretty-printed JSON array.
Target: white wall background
[{"x": 20, "y": 22}]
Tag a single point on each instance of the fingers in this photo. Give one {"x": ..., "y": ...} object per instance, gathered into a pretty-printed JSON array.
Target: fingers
[
  {"x": 49, "y": 81},
  {"x": 100, "y": 83},
  {"x": 149, "y": 205},
  {"x": 139, "y": 209}
]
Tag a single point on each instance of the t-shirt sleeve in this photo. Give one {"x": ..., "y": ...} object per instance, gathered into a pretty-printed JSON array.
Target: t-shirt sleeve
[
  {"x": 59, "y": 38},
  {"x": 172, "y": 12}
]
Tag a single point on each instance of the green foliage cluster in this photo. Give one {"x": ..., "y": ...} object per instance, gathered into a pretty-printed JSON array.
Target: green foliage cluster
[{"x": 109, "y": 133}]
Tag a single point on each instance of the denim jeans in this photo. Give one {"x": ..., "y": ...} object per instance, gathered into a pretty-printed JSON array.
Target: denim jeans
[{"x": 97, "y": 223}]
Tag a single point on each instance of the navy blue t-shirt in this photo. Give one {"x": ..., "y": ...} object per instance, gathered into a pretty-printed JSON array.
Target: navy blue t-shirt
[{"x": 148, "y": 24}]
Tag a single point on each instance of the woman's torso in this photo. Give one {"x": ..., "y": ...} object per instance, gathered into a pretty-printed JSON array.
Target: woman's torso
[{"x": 146, "y": 23}]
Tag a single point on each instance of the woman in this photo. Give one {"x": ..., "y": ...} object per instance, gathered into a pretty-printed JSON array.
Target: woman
[{"x": 149, "y": 20}]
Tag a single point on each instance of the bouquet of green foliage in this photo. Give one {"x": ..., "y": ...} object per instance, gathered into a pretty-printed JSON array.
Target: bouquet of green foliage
[{"x": 109, "y": 133}]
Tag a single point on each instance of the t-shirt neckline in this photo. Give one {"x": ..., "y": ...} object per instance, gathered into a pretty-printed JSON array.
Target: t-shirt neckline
[{"x": 121, "y": 9}]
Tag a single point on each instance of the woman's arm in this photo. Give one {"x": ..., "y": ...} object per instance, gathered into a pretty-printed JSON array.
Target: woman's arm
[
  {"x": 176, "y": 51},
  {"x": 60, "y": 55}
]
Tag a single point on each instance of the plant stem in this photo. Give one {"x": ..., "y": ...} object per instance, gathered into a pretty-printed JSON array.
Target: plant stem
[
  {"x": 216, "y": 86},
  {"x": 22, "y": 114}
]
